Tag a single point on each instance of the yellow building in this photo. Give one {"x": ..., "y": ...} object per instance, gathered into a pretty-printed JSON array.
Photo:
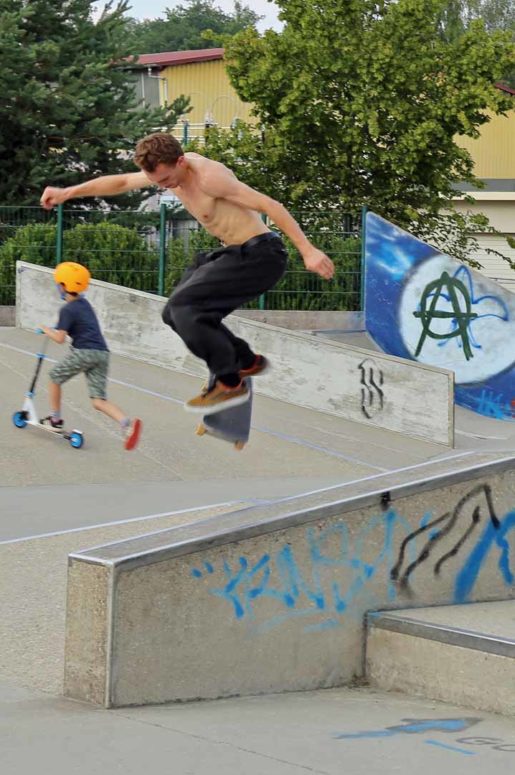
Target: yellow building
[
  {"x": 494, "y": 163},
  {"x": 199, "y": 75}
]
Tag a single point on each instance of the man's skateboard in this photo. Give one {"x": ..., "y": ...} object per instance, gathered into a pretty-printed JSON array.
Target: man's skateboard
[{"x": 232, "y": 425}]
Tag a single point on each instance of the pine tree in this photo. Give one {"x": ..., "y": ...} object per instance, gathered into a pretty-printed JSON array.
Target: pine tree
[{"x": 68, "y": 110}]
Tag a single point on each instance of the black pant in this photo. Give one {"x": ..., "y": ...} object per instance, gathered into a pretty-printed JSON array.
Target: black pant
[{"x": 215, "y": 285}]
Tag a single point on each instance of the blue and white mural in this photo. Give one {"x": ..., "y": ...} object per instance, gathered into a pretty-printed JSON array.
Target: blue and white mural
[{"x": 424, "y": 305}]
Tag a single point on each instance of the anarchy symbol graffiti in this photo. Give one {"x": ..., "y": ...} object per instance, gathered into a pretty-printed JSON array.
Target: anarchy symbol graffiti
[{"x": 452, "y": 291}]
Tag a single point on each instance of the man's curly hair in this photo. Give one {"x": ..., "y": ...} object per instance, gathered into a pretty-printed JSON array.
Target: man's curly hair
[{"x": 157, "y": 148}]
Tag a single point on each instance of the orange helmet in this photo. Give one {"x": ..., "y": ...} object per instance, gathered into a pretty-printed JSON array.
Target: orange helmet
[{"x": 74, "y": 277}]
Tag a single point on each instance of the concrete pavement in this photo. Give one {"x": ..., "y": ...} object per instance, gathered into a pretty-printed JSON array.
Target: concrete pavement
[{"x": 331, "y": 732}]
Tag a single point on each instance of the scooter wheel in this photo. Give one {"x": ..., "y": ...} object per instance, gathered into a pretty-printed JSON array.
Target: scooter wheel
[
  {"x": 20, "y": 419},
  {"x": 76, "y": 439}
]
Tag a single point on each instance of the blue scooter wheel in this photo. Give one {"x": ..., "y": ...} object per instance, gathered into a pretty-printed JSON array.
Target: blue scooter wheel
[
  {"x": 20, "y": 419},
  {"x": 76, "y": 439}
]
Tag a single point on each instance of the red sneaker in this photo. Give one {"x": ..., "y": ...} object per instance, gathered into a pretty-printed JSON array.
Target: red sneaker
[
  {"x": 258, "y": 367},
  {"x": 132, "y": 434}
]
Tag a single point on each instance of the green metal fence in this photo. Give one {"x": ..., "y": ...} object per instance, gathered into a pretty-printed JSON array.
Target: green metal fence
[{"x": 149, "y": 251}]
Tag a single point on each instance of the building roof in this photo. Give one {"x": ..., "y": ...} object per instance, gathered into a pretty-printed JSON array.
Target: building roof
[
  {"x": 508, "y": 89},
  {"x": 173, "y": 58}
]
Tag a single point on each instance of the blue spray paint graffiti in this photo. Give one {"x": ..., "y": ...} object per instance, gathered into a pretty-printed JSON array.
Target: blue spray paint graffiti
[
  {"x": 331, "y": 577},
  {"x": 496, "y": 405},
  {"x": 417, "y": 727},
  {"x": 413, "y": 726},
  {"x": 319, "y": 594}
]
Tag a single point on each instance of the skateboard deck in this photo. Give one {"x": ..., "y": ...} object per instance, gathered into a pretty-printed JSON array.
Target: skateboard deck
[{"x": 232, "y": 425}]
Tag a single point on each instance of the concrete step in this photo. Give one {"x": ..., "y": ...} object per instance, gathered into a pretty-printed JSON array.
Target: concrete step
[{"x": 459, "y": 653}]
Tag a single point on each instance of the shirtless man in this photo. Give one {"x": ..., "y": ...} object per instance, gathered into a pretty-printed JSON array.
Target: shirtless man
[{"x": 250, "y": 261}]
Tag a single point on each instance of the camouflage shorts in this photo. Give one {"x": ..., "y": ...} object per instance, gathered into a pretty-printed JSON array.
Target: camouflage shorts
[{"x": 94, "y": 364}]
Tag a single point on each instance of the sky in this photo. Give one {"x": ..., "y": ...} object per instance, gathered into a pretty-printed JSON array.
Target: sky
[{"x": 152, "y": 9}]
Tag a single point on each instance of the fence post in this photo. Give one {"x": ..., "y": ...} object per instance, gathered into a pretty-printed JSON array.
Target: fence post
[
  {"x": 162, "y": 250},
  {"x": 59, "y": 236},
  {"x": 262, "y": 298},
  {"x": 364, "y": 211}
]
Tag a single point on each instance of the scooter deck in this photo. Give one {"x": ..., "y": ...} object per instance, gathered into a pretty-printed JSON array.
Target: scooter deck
[
  {"x": 58, "y": 431},
  {"x": 231, "y": 425}
]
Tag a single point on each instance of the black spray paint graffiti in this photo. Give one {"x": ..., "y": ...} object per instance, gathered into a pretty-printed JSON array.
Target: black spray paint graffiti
[
  {"x": 458, "y": 317},
  {"x": 372, "y": 395},
  {"x": 479, "y": 500}
]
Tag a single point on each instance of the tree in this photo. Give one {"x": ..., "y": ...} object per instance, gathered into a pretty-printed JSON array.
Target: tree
[
  {"x": 496, "y": 15},
  {"x": 362, "y": 104},
  {"x": 197, "y": 24},
  {"x": 67, "y": 109}
]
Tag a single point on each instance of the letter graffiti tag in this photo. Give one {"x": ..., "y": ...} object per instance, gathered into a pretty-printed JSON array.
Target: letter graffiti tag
[
  {"x": 336, "y": 572},
  {"x": 372, "y": 394},
  {"x": 459, "y": 317},
  {"x": 335, "y": 581}
]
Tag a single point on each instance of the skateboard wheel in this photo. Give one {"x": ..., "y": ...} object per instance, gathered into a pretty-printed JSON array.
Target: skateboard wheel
[
  {"x": 239, "y": 445},
  {"x": 201, "y": 429}
]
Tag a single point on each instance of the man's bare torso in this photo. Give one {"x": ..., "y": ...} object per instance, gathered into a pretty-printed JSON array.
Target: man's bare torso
[{"x": 229, "y": 222}]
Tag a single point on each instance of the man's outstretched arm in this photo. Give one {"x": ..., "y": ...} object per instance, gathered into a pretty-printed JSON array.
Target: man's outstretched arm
[{"x": 107, "y": 185}]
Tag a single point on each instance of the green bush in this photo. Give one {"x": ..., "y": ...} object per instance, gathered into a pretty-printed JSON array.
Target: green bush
[
  {"x": 34, "y": 243},
  {"x": 302, "y": 290},
  {"x": 112, "y": 253}
]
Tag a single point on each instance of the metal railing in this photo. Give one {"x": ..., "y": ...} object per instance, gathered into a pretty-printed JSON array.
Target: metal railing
[{"x": 149, "y": 250}]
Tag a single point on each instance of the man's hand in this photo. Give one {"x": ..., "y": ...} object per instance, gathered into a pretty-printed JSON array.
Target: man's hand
[
  {"x": 318, "y": 262},
  {"x": 52, "y": 196}
]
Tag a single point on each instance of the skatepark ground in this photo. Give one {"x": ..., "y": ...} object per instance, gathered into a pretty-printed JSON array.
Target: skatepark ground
[{"x": 49, "y": 491}]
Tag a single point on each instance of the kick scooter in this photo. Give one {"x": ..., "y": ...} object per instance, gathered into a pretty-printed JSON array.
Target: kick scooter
[{"x": 29, "y": 416}]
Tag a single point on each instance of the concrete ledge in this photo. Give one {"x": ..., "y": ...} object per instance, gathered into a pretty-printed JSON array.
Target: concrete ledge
[
  {"x": 452, "y": 636},
  {"x": 273, "y": 598},
  {"x": 374, "y": 389}
]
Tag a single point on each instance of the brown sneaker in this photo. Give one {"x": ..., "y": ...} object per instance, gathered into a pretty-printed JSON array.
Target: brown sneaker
[
  {"x": 260, "y": 364},
  {"x": 132, "y": 434},
  {"x": 218, "y": 399}
]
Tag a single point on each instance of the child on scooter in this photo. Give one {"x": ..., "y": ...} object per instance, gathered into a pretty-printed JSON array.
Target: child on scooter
[{"x": 89, "y": 353}]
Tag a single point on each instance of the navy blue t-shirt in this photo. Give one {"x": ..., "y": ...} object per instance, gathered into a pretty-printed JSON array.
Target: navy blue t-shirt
[{"x": 79, "y": 321}]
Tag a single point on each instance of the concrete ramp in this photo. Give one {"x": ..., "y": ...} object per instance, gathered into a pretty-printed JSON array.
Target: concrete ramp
[
  {"x": 425, "y": 305},
  {"x": 273, "y": 598},
  {"x": 373, "y": 389}
]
